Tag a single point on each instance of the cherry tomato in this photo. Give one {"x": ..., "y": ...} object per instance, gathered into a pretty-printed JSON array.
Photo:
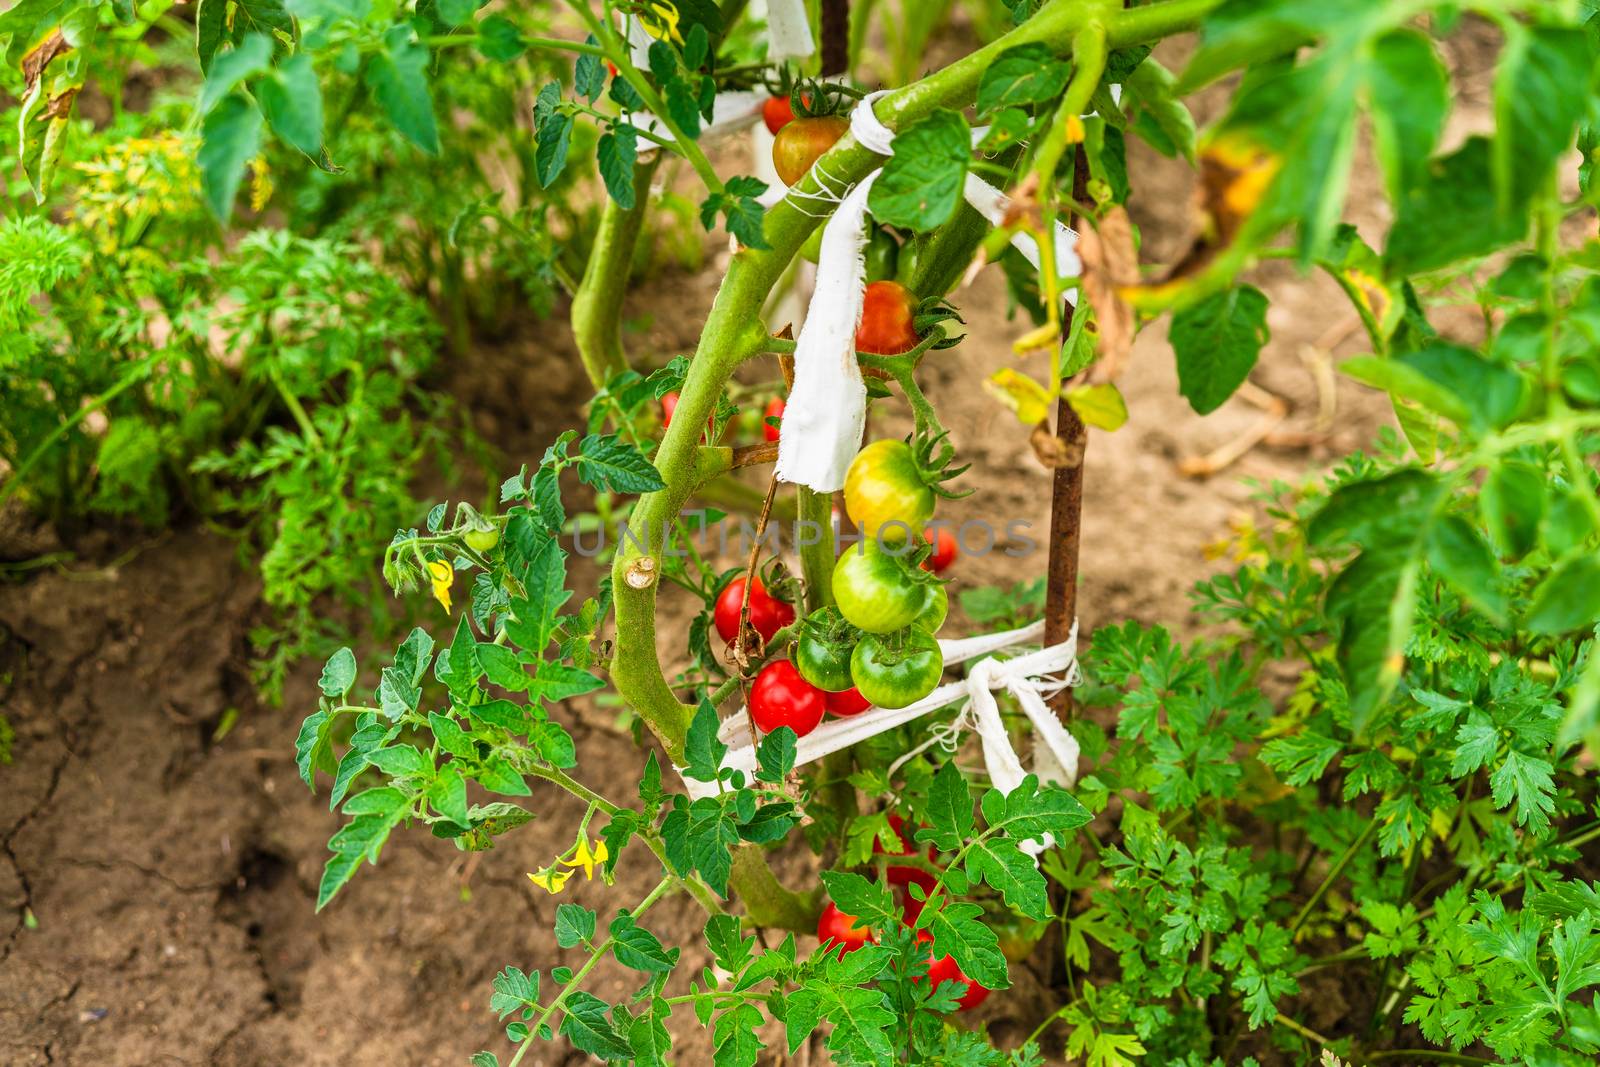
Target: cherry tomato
[
  {"x": 848, "y": 703},
  {"x": 767, "y": 613},
  {"x": 802, "y": 142},
  {"x": 885, "y": 494},
  {"x": 882, "y": 253},
  {"x": 876, "y": 591},
  {"x": 886, "y": 319},
  {"x": 901, "y": 876},
  {"x": 945, "y": 549},
  {"x": 774, "y": 410},
  {"x": 780, "y": 697},
  {"x": 669, "y": 404},
  {"x": 840, "y": 929},
  {"x": 898, "y": 670},
  {"x": 777, "y": 113},
  {"x": 945, "y": 969},
  {"x": 821, "y": 656},
  {"x": 934, "y": 610},
  {"x": 482, "y": 540}
]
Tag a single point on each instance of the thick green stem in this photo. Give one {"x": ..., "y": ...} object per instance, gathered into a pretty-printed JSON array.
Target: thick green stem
[
  {"x": 816, "y": 560},
  {"x": 766, "y": 901},
  {"x": 597, "y": 306}
]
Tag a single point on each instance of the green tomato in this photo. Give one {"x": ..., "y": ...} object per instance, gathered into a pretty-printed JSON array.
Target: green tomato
[
  {"x": 481, "y": 540},
  {"x": 811, "y": 251},
  {"x": 877, "y": 591},
  {"x": 822, "y": 652},
  {"x": 934, "y": 609},
  {"x": 885, "y": 494},
  {"x": 882, "y": 251},
  {"x": 898, "y": 669}
]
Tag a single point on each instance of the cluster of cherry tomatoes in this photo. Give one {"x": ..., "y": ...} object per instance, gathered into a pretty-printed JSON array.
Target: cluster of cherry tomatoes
[{"x": 837, "y": 928}]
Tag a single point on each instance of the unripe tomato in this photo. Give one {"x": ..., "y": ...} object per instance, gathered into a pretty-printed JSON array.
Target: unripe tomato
[
  {"x": 482, "y": 540},
  {"x": 934, "y": 610},
  {"x": 777, "y": 112},
  {"x": 945, "y": 969},
  {"x": 945, "y": 549},
  {"x": 811, "y": 251},
  {"x": 848, "y": 703},
  {"x": 780, "y": 697},
  {"x": 876, "y": 591},
  {"x": 767, "y": 613},
  {"x": 840, "y": 929},
  {"x": 802, "y": 142},
  {"x": 882, "y": 486},
  {"x": 823, "y": 665},
  {"x": 887, "y": 310},
  {"x": 774, "y": 410},
  {"x": 882, "y": 253},
  {"x": 898, "y": 670}
]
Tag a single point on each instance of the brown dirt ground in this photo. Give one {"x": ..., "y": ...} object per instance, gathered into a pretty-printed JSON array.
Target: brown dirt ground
[{"x": 169, "y": 881}]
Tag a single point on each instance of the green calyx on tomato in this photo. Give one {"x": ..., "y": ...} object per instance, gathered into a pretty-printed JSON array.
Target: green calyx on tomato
[
  {"x": 897, "y": 669},
  {"x": 822, "y": 651},
  {"x": 877, "y": 590}
]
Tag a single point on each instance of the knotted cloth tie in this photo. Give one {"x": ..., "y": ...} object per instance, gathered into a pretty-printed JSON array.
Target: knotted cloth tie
[{"x": 1031, "y": 678}]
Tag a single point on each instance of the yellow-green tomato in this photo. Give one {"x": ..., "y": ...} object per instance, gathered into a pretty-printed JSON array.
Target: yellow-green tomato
[
  {"x": 876, "y": 591},
  {"x": 885, "y": 494},
  {"x": 481, "y": 540},
  {"x": 934, "y": 609}
]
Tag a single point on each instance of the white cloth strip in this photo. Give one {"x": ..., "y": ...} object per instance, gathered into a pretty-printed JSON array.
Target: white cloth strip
[
  {"x": 827, "y": 407},
  {"x": 788, "y": 30},
  {"x": 1031, "y": 678}
]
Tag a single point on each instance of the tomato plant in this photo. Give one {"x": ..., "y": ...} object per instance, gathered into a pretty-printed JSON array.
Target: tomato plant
[{"x": 1372, "y": 775}]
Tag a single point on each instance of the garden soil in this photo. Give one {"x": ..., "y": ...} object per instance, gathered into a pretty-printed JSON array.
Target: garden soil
[{"x": 157, "y": 886}]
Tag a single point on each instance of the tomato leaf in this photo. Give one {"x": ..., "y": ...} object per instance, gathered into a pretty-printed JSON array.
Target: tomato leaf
[
  {"x": 1216, "y": 342},
  {"x": 230, "y": 139},
  {"x": 920, "y": 186},
  {"x": 1568, "y": 599},
  {"x": 552, "y": 135},
  {"x": 399, "y": 81},
  {"x": 1028, "y": 74}
]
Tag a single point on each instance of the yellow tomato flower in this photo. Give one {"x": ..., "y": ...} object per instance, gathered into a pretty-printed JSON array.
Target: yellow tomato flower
[
  {"x": 588, "y": 859},
  {"x": 442, "y": 574},
  {"x": 550, "y": 880},
  {"x": 661, "y": 21}
]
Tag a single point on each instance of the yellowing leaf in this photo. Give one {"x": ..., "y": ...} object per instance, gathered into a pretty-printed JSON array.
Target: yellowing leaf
[
  {"x": 660, "y": 20},
  {"x": 441, "y": 575},
  {"x": 1026, "y": 397},
  {"x": 1046, "y": 336},
  {"x": 1100, "y": 406}
]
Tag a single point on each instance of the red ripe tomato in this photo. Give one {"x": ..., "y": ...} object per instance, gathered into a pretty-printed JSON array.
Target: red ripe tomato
[
  {"x": 767, "y": 613},
  {"x": 780, "y": 697},
  {"x": 886, "y": 320},
  {"x": 904, "y": 876},
  {"x": 945, "y": 969},
  {"x": 612, "y": 67},
  {"x": 840, "y": 929},
  {"x": 945, "y": 549},
  {"x": 669, "y": 404},
  {"x": 774, "y": 411},
  {"x": 802, "y": 142},
  {"x": 850, "y": 702},
  {"x": 777, "y": 113}
]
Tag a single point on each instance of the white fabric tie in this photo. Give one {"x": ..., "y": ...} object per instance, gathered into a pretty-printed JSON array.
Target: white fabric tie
[
  {"x": 1031, "y": 678},
  {"x": 788, "y": 30}
]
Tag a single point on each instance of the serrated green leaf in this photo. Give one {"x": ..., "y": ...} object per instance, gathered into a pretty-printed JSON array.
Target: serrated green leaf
[
  {"x": 575, "y": 924},
  {"x": 616, "y": 152},
  {"x": 230, "y": 139},
  {"x": 921, "y": 184},
  {"x": 338, "y": 674},
  {"x": 398, "y": 79},
  {"x": 1216, "y": 342},
  {"x": 1027, "y": 74}
]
